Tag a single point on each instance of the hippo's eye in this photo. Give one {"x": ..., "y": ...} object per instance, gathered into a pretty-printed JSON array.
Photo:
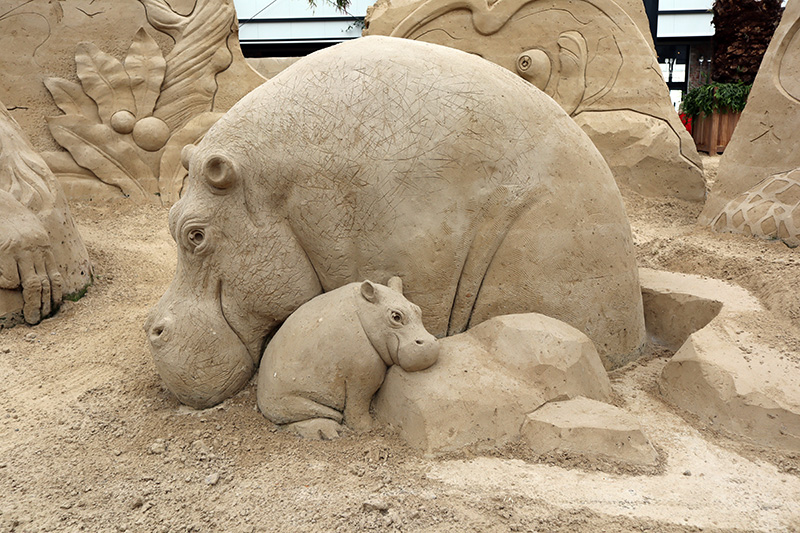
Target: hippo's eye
[
  {"x": 397, "y": 317},
  {"x": 196, "y": 237}
]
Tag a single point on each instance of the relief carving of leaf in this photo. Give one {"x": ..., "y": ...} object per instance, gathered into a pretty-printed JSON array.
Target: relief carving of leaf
[
  {"x": 71, "y": 99},
  {"x": 145, "y": 66},
  {"x": 163, "y": 18},
  {"x": 200, "y": 53},
  {"x": 172, "y": 173},
  {"x": 98, "y": 148},
  {"x": 104, "y": 79},
  {"x": 75, "y": 180}
]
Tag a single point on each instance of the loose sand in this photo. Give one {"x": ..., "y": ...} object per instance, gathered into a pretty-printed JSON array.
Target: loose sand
[{"x": 90, "y": 440}]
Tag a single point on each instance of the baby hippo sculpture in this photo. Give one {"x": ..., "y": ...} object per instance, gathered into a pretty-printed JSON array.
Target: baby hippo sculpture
[{"x": 325, "y": 363}]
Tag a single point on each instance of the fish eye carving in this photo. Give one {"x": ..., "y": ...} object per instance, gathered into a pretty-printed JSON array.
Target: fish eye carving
[{"x": 534, "y": 65}]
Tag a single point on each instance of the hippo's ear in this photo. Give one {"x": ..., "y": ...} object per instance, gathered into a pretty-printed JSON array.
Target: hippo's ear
[
  {"x": 220, "y": 173},
  {"x": 396, "y": 283},
  {"x": 368, "y": 291},
  {"x": 186, "y": 155}
]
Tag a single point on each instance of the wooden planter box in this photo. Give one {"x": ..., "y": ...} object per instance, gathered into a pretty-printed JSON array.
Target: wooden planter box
[{"x": 712, "y": 133}]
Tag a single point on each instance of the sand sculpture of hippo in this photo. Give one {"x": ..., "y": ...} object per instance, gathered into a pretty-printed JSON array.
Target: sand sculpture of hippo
[
  {"x": 382, "y": 157},
  {"x": 325, "y": 363}
]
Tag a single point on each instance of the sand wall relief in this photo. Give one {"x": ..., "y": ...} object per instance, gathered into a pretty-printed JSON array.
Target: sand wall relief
[
  {"x": 135, "y": 83},
  {"x": 590, "y": 56}
]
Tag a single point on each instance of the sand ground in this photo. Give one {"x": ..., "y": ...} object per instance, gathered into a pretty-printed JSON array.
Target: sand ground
[{"x": 91, "y": 441}]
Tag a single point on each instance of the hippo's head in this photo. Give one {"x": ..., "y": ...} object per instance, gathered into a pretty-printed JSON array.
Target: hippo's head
[
  {"x": 240, "y": 273},
  {"x": 394, "y": 327}
]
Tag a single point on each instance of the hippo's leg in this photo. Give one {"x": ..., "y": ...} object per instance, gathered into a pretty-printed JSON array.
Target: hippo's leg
[
  {"x": 317, "y": 429},
  {"x": 290, "y": 408},
  {"x": 583, "y": 275},
  {"x": 356, "y": 409}
]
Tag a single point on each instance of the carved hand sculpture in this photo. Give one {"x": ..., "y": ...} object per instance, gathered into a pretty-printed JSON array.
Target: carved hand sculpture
[
  {"x": 26, "y": 259},
  {"x": 42, "y": 255}
]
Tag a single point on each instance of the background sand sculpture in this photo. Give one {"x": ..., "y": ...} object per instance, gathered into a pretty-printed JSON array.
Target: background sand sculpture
[
  {"x": 590, "y": 56},
  {"x": 503, "y": 216},
  {"x": 42, "y": 256},
  {"x": 758, "y": 161},
  {"x": 126, "y": 121},
  {"x": 770, "y": 209}
]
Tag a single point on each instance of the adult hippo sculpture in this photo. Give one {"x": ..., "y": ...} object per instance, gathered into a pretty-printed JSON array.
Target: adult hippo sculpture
[{"x": 383, "y": 157}]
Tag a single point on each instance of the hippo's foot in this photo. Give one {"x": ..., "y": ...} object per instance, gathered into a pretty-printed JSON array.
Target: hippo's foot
[
  {"x": 360, "y": 421},
  {"x": 318, "y": 429}
]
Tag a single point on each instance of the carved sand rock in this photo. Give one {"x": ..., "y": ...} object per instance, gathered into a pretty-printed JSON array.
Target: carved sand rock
[
  {"x": 346, "y": 166},
  {"x": 140, "y": 96},
  {"x": 42, "y": 256},
  {"x": 724, "y": 373},
  {"x": 487, "y": 380},
  {"x": 590, "y": 56},
  {"x": 589, "y": 428},
  {"x": 324, "y": 365},
  {"x": 764, "y": 145},
  {"x": 771, "y": 210}
]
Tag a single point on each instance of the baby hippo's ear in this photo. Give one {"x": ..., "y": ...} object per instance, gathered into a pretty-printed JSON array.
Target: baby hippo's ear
[
  {"x": 368, "y": 292},
  {"x": 396, "y": 284},
  {"x": 186, "y": 155},
  {"x": 219, "y": 173}
]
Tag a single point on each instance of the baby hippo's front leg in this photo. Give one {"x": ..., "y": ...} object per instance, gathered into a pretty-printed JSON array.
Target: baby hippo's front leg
[{"x": 317, "y": 429}]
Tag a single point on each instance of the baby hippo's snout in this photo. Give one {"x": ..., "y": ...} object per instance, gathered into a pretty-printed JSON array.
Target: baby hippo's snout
[{"x": 420, "y": 354}]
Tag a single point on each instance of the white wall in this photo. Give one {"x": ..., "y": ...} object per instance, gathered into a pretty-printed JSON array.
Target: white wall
[{"x": 283, "y": 23}]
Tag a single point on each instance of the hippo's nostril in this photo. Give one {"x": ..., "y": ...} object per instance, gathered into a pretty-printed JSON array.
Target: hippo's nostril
[
  {"x": 419, "y": 342},
  {"x": 158, "y": 330}
]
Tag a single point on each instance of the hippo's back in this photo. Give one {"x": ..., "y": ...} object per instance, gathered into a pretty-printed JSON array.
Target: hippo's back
[{"x": 395, "y": 157}]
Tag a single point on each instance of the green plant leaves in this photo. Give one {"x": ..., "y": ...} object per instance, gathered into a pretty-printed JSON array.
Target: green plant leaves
[{"x": 716, "y": 97}]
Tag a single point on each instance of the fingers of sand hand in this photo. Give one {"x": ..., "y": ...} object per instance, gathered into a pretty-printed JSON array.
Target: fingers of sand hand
[
  {"x": 41, "y": 272},
  {"x": 56, "y": 281},
  {"x": 9, "y": 275},
  {"x": 31, "y": 290}
]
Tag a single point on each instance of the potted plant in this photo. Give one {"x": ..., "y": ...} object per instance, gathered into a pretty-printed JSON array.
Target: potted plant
[{"x": 715, "y": 109}]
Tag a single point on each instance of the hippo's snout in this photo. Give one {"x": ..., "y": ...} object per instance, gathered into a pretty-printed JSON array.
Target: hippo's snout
[
  {"x": 200, "y": 358},
  {"x": 420, "y": 354},
  {"x": 159, "y": 329}
]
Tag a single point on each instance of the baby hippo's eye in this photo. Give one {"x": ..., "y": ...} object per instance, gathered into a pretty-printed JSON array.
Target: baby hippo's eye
[{"x": 397, "y": 317}]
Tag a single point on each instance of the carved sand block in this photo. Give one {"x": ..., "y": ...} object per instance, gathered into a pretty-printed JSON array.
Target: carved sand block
[
  {"x": 733, "y": 379},
  {"x": 764, "y": 144},
  {"x": 487, "y": 380},
  {"x": 425, "y": 174},
  {"x": 42, "y": 256},
  {"x": 770, "y": 210},
  {"x": 324, "y": 365},
  {"x": 590, "y": 56},
  {"x": 151, "y": 77},
  {"x": 588, "y": 428}
]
